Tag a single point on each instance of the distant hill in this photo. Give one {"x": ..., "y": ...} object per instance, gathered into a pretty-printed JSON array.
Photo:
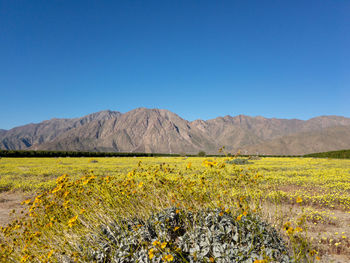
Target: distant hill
[
  {"x": 331, "y": 138},
  {"x": 155, "y": 130},
  {"x": 24, "y": 137}
]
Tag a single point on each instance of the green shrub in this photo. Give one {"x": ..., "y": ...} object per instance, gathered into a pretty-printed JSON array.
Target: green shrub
[
  {"x": 201, "y": 154},
  {"x": 238, "y": 161}
]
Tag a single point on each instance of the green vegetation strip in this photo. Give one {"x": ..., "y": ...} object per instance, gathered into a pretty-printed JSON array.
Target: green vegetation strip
[{"x": 342, "y": 154}]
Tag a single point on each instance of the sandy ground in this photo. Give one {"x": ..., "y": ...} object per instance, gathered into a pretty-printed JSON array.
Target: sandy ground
[
  {"x": 10, "y": 201},
  {"x": 341, "y": 224}
]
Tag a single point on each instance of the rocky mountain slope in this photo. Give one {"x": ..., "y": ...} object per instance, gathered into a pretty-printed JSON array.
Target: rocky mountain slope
[
  {"x": 154, "y": 130},
  {"x": 323, "y": 140},
  {"x": 23, "y": 137},
  {"x": 2, "y": 131},
  {"x": 140, "y": 130}
]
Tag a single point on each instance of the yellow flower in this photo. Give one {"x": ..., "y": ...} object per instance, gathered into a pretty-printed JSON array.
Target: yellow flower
[
  {"x": 239, "y": 218},
  {"x": 287, "y": 225},
  {"x": 25, "y": 258},
  {"x": 163, "y": 245},
  {"x": 298, "y": 229},
  {"x": 86, "y": 182},
  {"x": 313, "y": 252},
  {"x": 211, "y": 259},
  {"x": 61, "y": 178},
  {"x": 82, "y": 211},
  {"x": 72, "y": 221},
  {"x": 151, "y": 253},
  {"x": 207, "y": 163},
  {"x": 26, "y": 201},
  {"x": 176, "y": 228},
  {"x": 155, "y": 243},
  {"x": 299, "y": 200},
  {"x": 168, "y": 258},
  {"x": 290, "y": 230},
  {"x": 50, "y": 253},
  {"x": 57, "y": 188},
  {"x": 245, "y": 213},
  {"x": 66, "y": 204},
  {"x": 189, "y": 165}
]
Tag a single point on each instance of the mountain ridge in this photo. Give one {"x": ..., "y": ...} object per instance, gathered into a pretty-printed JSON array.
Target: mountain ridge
[{"x": 160, "y": 130}]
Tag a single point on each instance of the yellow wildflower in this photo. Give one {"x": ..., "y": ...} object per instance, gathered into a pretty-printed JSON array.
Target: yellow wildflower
[
  {"x": 313, "y": 252},
  {"x": 82, "y": 211},
  {"x": 155, "y": 243},
  {"x": 72, "y": 221},
  {"x": 50, "y": 253},
  {"x": 61, "y": 178},
  {"x": 290, "y": 230},
  {"x": 25, "y": 258},
  {"x": 168, "y": 258},
  {"x": 287, "y": 225},
  {"x": 151, "y": 253},
  {"x": 26, "y": 202},
  {"x": 298, "y": 229}
]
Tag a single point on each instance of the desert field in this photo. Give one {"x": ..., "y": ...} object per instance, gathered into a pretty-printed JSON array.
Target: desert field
[{"x": 178, "y": 209}]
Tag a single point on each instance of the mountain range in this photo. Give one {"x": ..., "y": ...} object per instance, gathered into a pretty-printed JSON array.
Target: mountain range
[{"x": 161, "y": 131}]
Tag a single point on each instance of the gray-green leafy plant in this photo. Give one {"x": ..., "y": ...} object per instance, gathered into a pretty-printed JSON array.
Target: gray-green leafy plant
[{"x": 183, "y": 236}]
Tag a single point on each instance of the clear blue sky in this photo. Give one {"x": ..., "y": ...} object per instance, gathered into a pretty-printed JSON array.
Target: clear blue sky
[{"x": 199, "y": 59}]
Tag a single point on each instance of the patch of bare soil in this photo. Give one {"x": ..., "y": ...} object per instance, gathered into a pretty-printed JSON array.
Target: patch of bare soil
[
  {"x": 11, "y": 202},
  {"x": 330, "y": 237}
]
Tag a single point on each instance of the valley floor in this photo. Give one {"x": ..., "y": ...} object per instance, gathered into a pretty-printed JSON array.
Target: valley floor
[{"x": 316, "y": 191}]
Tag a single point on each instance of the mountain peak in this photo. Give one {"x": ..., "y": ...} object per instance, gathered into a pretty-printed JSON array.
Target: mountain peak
[{"x": 160, "y": 130}]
